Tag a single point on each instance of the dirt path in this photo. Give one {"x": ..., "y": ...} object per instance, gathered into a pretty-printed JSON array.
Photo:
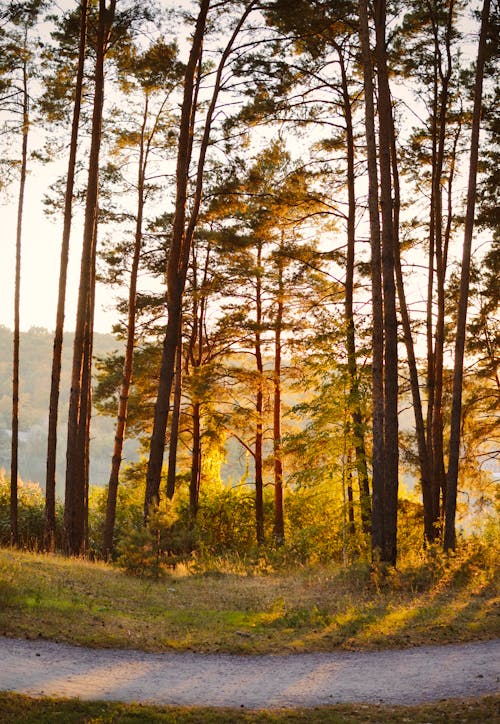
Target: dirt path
[{"x": 406, "y": 676}]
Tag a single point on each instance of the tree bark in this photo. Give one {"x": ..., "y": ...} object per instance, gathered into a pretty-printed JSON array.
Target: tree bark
[
  {"x": 350, "y": 506},
  {"x": 378, "y": 457},
  {"x": 354, "y": 398},
  {"x": 14, "y": 473},
  {"x": 279, "y": 518},
  {"x": 423, "y": 453},
  {"x": 182, "y": 237},
  {"x": 50, "y": 481},
  {"x": 259, "y": 404},
  {"x": 456, "y": 413},
  {"x": 73, "y": 534},
  {"x": 438, "y": 247},
  {"x": 176, "y": 267},
  {"x": 128, "y": 364},
  {"x": 194, "y": 482},
  {"x": 174, "y": 426},
  {"x": 391, "y": 444}
]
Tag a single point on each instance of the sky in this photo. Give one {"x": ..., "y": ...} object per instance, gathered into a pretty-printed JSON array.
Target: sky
[{"x": 41, "y": 242}]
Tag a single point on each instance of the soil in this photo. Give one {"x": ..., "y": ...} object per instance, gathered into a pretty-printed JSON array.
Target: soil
[{"x": 406, "y": 676}]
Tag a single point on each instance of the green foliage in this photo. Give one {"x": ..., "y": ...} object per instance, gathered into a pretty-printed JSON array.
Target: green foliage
[
  {"x": 31, "y": 514},
  {"x": 226, "y": 522},
  {"x": 129, "y": 511},
  {"x": 150, "y": 551},
  {"x": 316, "y": 529}
]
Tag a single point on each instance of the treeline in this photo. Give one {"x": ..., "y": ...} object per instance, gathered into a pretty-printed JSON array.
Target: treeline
[
  {"x": 34, "y": 385},
  {"x": 291, "y": 176}
]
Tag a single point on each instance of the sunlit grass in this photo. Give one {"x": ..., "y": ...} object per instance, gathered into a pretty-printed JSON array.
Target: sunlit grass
[
  {"x": 309, "y": 609},
  {"x": 17, "y": 708}
]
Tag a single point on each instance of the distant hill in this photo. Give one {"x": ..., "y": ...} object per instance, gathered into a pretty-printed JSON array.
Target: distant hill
[{"x": 35, "y": 374}]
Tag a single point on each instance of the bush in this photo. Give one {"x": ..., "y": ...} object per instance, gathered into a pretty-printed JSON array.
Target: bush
[
  {"x": 31, "y": 514},
  {"x": 129, "y": 514},
  {"x": 226, "y": 522},
  {"x": 150, "y": 551}
]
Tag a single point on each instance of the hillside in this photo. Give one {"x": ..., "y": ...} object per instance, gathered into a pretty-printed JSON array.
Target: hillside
[{"x": 35, "y": 374}]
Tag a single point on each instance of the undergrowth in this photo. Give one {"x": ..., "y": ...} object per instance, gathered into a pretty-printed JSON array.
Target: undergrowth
[{"x": 229, "y": 604}]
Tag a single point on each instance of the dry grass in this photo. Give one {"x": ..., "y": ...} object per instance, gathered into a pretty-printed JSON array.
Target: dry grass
[
  {"x": 16, "y": 708},
  {"x": 315, "y": 609}
]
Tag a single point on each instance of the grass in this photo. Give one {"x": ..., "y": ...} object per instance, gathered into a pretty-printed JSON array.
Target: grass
[
  {"x": 23, "y": 709},
  {"x": 435, "y": 600},
  {"x": 432, "y": 600}
]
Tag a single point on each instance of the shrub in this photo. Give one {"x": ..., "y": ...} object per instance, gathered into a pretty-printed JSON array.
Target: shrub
[
  {"x": 31, "y": 514},
  {"x": 150, "y": 551}
]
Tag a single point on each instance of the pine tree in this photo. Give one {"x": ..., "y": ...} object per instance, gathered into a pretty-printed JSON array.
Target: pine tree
[
  {"x": 76, "y": 488},
  {"x": 50, "y": 481},
  {"x": 17, "y": 69},
  {"x": 153, "y": 71},
  {"x": 184, "y": 225},
  {"x": 454, "y": 447}
]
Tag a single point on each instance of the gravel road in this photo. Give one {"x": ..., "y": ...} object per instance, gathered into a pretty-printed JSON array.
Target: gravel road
[{"x": 408, "y": 676}]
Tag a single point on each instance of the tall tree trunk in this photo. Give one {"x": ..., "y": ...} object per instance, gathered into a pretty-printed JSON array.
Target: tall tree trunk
[
  {"x": 279, "y": 518},
  {"x": 259, "y": 404},
  {"x": 14, "y": 473},
  {"x": 74, "y": 542},
  {"x": 436, "y": 357},
  {"x": 182, "y": 237},
  {"x": 423, "y": 453},
  {"x": 378, "y": 457},
  {"x": 354, "y": 397},
  {"x": 196, "y": 355},
  {"x": 194, "y": 482},
  {"x": 174, "y": 426},
  {"x": 176, "y": 267},
  {"x": 456, "y": 412},
  {"x": 50, "y": 480},
  {"x": 350, "y": 504},
  {"x": 85, "y": 415},
  {"x": 128, "y": 363},
  {"x": 391, "y": 444}
]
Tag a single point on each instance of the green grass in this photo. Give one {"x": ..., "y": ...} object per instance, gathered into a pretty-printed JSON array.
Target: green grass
[
  {"x": 433, "y": 600},
  {"x": 23, "y": 709}
]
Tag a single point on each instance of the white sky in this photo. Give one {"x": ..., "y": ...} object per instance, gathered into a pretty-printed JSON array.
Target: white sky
[{"x": 41, "y": 243}]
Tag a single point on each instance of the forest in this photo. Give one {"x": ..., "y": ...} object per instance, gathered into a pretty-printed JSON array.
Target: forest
[{"x": 294, "y": 206}]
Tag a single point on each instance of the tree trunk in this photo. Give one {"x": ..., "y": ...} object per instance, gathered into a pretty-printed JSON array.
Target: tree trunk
[
  {"x": 391, "y": 445},
  {"x": 74, "y": 542},
  {"x": 182, "y": 237},
  {"x": 194, "y": 483},
  {"x": 50, "y": 481},
  {"x": 438, "y": 246},
  {"x": 279, "y": 522},
  {"x": 354, "y": 397},
  {"x": 378, "y": 461},
  {"x": 176, "y": 267},
  {"x": 174, "y": 427},
  {"x": 128, "y": 363},
  {"x": 86, "y": 412},
  {"x": 456, "y": 412},
  {"x": 423, "y": 453},
  {"x": 259, "y": 404},
  {"x": 350, "y": 505},
  {"x": 14, "y": 529}
]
